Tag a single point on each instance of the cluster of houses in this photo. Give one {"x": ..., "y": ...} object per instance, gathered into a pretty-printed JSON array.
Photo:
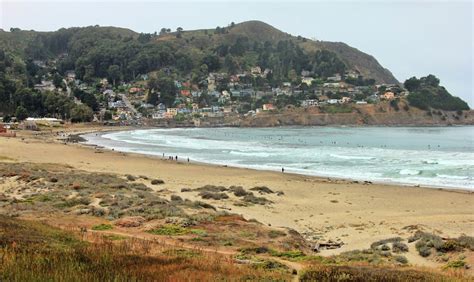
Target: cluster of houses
[
  {"x": 236, "y": 86},
  {"x": 308, "y": 89}
]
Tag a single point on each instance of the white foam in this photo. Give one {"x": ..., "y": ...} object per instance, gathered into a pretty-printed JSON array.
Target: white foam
[{"x": 409, "y": 172}]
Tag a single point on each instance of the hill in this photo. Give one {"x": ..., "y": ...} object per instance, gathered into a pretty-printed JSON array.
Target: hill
[{"x": 252, "y": 37}]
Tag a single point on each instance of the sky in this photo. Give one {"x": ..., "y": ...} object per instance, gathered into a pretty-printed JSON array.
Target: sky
[{"x": 410, "y": 38}]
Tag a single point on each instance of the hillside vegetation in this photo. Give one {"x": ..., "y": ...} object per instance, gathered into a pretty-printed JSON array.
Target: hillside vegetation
[
  {"x": 92, "y": 50},
  {"x": 426, "y": 93}
]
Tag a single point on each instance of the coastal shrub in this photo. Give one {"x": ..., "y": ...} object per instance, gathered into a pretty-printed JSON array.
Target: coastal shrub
[
  {"x": 401, "y": 259},
  {"x": 185, "y": 189},
  {"x": 466, "y": 242},
  {"x": 239, "y": 191},
  {"x": 385, "y": 248},
  {"x": 255, "y": 250},
  {"x": 212, "y": 188},
  {"x": 212, "y": 195},
  {"x": 102, "y": 226},
  {"x": 199, "y": 204},
  {"x": 262, "y": 190},
  {"x": 424, "y": 251},
  {"x": 376, "y": 244},
  {"x": 157, "y": 182},
  {"x": 176, "y": 198},
  {"x": 426, "y": 242},
  {"x": 459, "y": 263},
  {"x": 276, "y": 233},
  {"x": 130, "y": 177},
  {"x": 256, "y": 200},
  {"x": 394, "y": 105},
  {"x": 399, "y": 247},
  {"x": 169, "y": 230}
]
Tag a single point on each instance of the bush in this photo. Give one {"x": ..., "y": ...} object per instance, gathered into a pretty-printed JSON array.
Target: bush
[
  {"x": 276, "y": 233},
  {"x": 213, "y": 196},
  {"x": 256, "y": 200},
  {"x": 424, "y": 251},
  {"x": 398, "y": 247},
  {"x": 239, "y": 191},
  {"x": 157, "y": 182},
  {"x": 176, "y": 198},
  {"x": 131, "y": 177},
  {"x": 262, "y": 190},
  {"x": 401, "y": 259},
  {"x": 102, "y": 226},
  {"x": 456, "y": 264},
  {"x": 376, "y": 244},
  {"x": 169, "y": 230}
]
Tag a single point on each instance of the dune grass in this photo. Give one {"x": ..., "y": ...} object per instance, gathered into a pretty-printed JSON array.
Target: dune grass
[{"x": 32, "y": 251}]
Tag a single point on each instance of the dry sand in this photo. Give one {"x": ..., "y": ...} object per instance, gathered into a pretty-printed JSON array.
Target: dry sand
[{"x": 355, "y": 213}]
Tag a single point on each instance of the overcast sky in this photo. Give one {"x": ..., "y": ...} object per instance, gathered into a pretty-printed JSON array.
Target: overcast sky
[{"x": 411, "y": 38}]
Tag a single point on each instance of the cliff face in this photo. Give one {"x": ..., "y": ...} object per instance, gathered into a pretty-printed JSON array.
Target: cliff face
[{"x": 376, "y": 115}]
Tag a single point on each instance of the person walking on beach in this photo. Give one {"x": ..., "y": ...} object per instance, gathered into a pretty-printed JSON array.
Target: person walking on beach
[
  {"x": 282, "y": 170},
  {"x": 188, "y": 159},
  {"x": 176, "y": 158}
]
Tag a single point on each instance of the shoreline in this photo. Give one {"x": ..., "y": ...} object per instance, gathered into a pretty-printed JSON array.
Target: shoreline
[{"x": 321, "y": 177}]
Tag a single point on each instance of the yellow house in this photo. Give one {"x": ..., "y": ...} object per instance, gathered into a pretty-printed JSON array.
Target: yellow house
[
  {"x": 307, "y": 80},
  {"x": 388, "y": 95},
  {"x": 172, "y": 111}
]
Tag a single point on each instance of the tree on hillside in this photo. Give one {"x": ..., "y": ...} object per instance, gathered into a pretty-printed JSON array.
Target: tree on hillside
[
  {"x": 165, "y": 86},
  {"x": 212, "y": 62},
  {"x": 412, "y": 83},
  {"x": 57, "y": 80},
  {"x": 21, "y": 113},
  {"x": 230, "y": 64},
  {"x": 81, "y": 113},
  {"x": 114, "y": 73}
]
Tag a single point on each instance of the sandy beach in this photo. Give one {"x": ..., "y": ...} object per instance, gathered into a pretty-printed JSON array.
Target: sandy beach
[{"x": 355, "y": 213}]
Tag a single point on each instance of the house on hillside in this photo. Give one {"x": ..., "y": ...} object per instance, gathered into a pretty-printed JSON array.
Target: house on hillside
[
  {"x": 45, "y": 85},
  {"x": 307, "y": 80},
  {"x": 309, "y": 103},
  {"x": 388, "y": 96},
  {"x": 256, "y": 70},
  {"x": 335, "y": 77},
  {"x": 185, "y": 92},
  {"x": 268, "y": 107}
]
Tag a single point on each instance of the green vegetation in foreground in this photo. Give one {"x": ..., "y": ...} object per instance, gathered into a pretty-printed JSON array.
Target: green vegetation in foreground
[
  {"x": 102, "y": 227},
  {"x": 32, "y": 251}
]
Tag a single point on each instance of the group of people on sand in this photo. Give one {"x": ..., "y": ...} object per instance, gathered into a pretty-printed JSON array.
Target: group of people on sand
[{"x": 171, "y": 158}]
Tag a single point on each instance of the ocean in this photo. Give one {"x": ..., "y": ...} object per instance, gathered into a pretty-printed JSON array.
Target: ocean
[{"x": 440, "y": 157}]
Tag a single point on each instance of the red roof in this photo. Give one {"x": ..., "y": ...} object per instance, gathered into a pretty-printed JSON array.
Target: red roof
[{"x": 186, "y": 93}]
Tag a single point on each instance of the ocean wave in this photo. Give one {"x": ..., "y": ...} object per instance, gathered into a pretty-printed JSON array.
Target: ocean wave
[
  {"x": 409, "y": 172},
  {"x": 251, "y": 154},
  {"x": 457, "y": 177},
  {"x": 347, "y": 157}
]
